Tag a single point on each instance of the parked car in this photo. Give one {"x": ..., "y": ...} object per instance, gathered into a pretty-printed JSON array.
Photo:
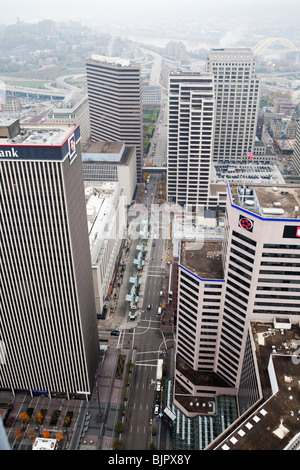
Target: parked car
[{"x": 115, "y": 332}]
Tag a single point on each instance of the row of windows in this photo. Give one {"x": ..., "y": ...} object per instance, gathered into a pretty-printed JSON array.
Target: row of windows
[
  {"x": 279, "y": 281},
  {"x": 276, "y": 312},
  {"x": 244, "y": 238},
  {"x": 280, "y": 289},
  {"x": 277, "y": 246},
  {"x": 239, "y": 281},
  {"x": 277, "y": 304},
  {"x": 280, "y": 263},
  {"x": 236, "y": 295},
  {"x": 281, "y": 273},
  {"x": 191, "y": 279},
  {"x": 240, "y": 263},
  {"x": 281, "y": 255},
  {"x": 240, "y": 272},
  {"x": 184, "y": 289}
]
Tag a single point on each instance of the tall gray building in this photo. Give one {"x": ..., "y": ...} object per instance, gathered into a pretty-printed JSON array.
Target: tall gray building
[
  {"x": 48, "y": 320},
  {"x": 296, "y": 152},
  {"x": 190, "y": 138},
  {"x": 115, "y": 103},
  {"x": 237, "y": 102}
]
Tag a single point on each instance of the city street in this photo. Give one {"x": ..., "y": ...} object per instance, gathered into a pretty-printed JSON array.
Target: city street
[{"x": 142, "y": 340}]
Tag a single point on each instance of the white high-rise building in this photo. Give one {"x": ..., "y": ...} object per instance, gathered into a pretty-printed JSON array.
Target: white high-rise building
[
  {"x": 252, "y": 275},
  {"x": 190, "y": 138},
  {"x": 237, "y": 92}
]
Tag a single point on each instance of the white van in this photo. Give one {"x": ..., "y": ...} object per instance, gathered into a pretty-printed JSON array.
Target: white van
[{"x": 159, "y": 311}]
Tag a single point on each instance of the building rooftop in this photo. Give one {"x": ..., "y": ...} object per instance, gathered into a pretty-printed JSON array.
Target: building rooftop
[
  {"x": 100, "y": 150},
  {"x": 102, "y": 200},
  {"x": 275, "y": 422},
  {"x": 203, "y": 258},
  {"x": 246, "y": 173},
  {"x": 111, "y": 60},
  {"x": 106, "y": 152},
  {"x": 267, "y": 201},
  {"x": 39, "y": 134}
]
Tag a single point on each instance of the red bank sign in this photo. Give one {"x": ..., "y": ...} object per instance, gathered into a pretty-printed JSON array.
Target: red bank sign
[{"x": 291, "y": 231}]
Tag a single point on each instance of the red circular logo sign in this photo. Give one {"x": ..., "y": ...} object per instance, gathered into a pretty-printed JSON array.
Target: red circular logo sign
[{"x": 246, "y": 223}]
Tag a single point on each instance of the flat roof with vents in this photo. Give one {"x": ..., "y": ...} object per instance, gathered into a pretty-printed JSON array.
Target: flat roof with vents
[{"x": 266, "y": 200}]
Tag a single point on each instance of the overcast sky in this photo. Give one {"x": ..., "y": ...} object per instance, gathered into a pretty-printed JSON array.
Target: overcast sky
[{"x": 59, "y": 10}]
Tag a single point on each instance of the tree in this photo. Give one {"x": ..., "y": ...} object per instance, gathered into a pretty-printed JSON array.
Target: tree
[
  {"x": 39, "y": 418},
  {"x": 59, "y": 436},
  {"x": 145, "y": 175},
  {"x": 117, "y": 444},
  {"x": 24, "y": 417},
  {"x": 18, "y": 433},
  {"x": 119, "y": 427}
]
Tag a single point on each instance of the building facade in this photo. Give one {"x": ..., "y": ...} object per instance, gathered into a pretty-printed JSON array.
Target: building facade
[
  {"x": 237, "y": 92},
  {"x": 76, "y": 111},
  {"x": 115, "y": 103},
  {"x": 190, "y": 138},
  {"x": 107, "y": 225},
  {"x": 110, "y": 162},
  {"x": 48, "y": 320},
  {"x": 252, "y": 275},
  {"x": 151, "y": 95},
  {"x": 296, "y": 151}
]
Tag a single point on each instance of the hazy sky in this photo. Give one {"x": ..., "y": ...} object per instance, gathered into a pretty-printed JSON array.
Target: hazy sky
[{"x": 59, "y": 10}]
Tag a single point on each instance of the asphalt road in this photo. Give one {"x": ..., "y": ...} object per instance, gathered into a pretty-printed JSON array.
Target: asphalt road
[
  {"x": 157, "y": 154},
  {"x": 147, "y": 342}
]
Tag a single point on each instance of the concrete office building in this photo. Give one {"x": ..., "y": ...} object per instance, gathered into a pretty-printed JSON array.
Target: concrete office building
[
  {"x": 237, "y": 91},
  {"x": 252, "y": 275},
  {"x": 107, "y": 225},
  {"x": 151, "y": 95},
  {"x": 76, "y": 110},
  {"x": 190, "y": 138},
  {"x": 110, "y": 162},
  {"x": 48, "y": 319},
  {"x": 115, "y": 103},
  {"x": 296, "y": 151}
]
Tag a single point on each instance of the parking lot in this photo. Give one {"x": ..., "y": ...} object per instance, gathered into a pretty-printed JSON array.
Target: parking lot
[{"x": 264, "y": 173}]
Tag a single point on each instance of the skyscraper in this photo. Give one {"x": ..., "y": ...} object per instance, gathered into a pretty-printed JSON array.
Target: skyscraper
[
  {"x": 115, "y": 103},
  {"x": 250, "y": 276},
  {"x": 237, "y": 103},
  {"x": 48, "y": 320},
  {"x": 190, "y": 137},
  {"x": 296, "y": 152}
]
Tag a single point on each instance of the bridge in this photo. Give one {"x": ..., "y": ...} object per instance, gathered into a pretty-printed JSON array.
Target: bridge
[
  {"x": 260, "y": 47},
  {"x": 154, "y": 169},
  {"x": 38, "y": 93}
]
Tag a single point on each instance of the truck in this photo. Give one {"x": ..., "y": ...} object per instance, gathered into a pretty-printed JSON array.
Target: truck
[
  {"x": 159, "y": 372},
  {"x": 159, "y": 369}
]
